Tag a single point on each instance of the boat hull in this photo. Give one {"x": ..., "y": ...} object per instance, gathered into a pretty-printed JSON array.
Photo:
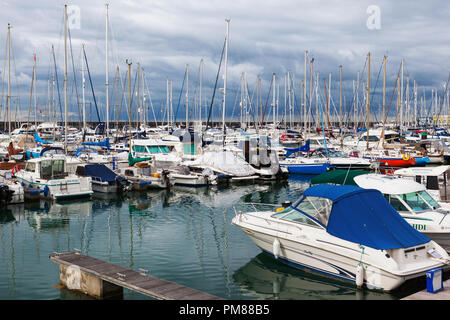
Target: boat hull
[
  {"x": 325, "y": 263},
  {"x": 396, "y": 162},
  {"x": 306, "y": 168}
]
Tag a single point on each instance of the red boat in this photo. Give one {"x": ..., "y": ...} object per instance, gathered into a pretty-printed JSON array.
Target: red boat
[{"x": 397, "y": 162}]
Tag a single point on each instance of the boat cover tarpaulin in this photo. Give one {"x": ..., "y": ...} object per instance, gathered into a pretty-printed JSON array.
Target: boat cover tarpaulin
[
  {"x": 38, "y": 139},
  {"x": 338, "y": 176},
  {"x": 364, "y": 216},
  {"x": 224, "y": 161},
  {"x": 100, "y": 171},
  {"x": 304, "y": 148}
]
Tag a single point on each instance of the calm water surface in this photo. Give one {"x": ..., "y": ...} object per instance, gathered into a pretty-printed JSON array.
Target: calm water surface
[{"x": 182, "y": 235}]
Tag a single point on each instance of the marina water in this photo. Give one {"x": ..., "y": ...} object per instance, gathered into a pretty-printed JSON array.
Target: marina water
[{"x": 183, "y": 235}]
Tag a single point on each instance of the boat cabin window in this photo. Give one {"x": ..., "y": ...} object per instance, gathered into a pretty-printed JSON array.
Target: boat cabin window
[
  {"x": 371, "y": 139},
  {"x": 158, "y": 149},
  {"x": 31, "y": 167},
  {"x": 429, "y": 199},
  {"x": 50, "y": 168},
  {"x": 395, "y": 203},
  {"x": 129, "y": 173},
  {"x": 46, "y": 169},
  {"x": 419, "y": 201},
  {"x": 140, "y": 149},
  {"x": 58, "y": 167},
  {"x": 432, "y": 183}
]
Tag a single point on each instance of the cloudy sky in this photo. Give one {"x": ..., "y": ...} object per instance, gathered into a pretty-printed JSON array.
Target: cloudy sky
[{"x": 265, "y": 37}]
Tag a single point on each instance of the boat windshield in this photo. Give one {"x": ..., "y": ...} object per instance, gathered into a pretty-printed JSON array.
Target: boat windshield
[
  {"x": 310, "y": 210},
  {"x": 419, "y": 201},
  {"x": 336, "y": 154}
]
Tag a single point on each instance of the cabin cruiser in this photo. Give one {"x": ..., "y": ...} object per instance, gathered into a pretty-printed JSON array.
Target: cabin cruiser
[
  {"x": 25, "y": 128},
  {"x": 48, "y": 176},
  {"x": 339, "y": 160},
  {"x": 157, "y": 149},
  {"x": 104, "y": 180},
  {"x": 433, "y": 177},
  {"x": 143, "y": 176},
  {"x": 346, "y": 233},
  {"x": 412, "y": 201}
]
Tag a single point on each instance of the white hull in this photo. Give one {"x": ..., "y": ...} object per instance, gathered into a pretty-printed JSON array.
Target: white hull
[{"x": 189, "y": 180}]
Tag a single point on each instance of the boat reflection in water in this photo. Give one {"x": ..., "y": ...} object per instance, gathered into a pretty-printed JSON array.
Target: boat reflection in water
[{"x": 264, "y": 277}]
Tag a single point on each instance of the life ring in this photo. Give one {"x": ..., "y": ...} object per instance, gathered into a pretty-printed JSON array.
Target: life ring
[
  {"x": 406, "y": 157},
  {"x": 15, "y": 170}
]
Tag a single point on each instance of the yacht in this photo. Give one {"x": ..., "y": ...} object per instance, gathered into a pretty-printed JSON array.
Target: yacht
[
  {"x": 413, "y": 203},
  {"x": 346, "y": 233},
  {"x": 48, "y": 176}
]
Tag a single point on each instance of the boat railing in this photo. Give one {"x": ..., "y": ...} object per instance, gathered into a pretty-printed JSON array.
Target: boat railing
[{"x": 259, "y": 206}]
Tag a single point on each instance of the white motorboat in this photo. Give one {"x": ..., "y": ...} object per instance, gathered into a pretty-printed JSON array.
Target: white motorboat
[
  {"x": 412, "y": 201},
  {"x": 48, "y": 176},
  {"x": 346, "y": 233},
  {"x": 104, "y": 180},
  {"x": 143, "y": 177},
  {"x": 183, "y": 176},
  {"x": 433, "y": 177}
]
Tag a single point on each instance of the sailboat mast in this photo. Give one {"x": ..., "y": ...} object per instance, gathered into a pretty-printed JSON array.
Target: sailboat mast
[
  {"x": 368, "y": 98},
  {"x": 83, "y": 81},
  {"x": 200, "y": 93},
  {"x": 273, "y": 100},
  {"x": 225, "y": 78},
  {"x": 9, "y": 79},
  {"x": 384, "y": 116},
  {"x": 129, "y": 103},
  {"x": 34, "y": 90},
  {"x": 304, "y": 95},
  {"x": 401, "y": 98},
  {"x": 65, "y": 79},
  {"x": 107, "y": 74},
  {"x": 187, "y": 97}
]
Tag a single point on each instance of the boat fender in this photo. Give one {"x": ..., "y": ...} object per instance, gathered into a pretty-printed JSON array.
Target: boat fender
[
  {"x": 46, "y": 191},
  {"x": 276, "y": 248},
  {"x": 406, "y": 157},
  {"x": 359, "y": 276}
]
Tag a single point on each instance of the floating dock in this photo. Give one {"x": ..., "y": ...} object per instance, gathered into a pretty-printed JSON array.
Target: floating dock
[
  {"x": 425, "y": 295},
  {"x": 104, "y": 280}
]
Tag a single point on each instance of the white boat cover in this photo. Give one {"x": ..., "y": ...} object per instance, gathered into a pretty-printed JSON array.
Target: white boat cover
[{"x": 224, "y": 161}]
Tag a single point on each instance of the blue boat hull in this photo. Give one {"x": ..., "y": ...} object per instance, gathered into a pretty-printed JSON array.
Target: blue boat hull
[
  {"x": 421, "y": 161},
  {"x": 307, "y": 168}
]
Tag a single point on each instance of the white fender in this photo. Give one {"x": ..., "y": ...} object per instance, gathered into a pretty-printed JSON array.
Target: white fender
[
  {"x": 359, "y": 276},
  {"x": 276, "y": 248}
]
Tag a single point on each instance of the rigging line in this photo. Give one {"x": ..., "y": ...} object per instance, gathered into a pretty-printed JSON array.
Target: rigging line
[
  {"x": 92, "y": 88},
  {"x": 373, "y": 91},
  {"x": 151, "y": 103},
  {"x": 215, "y": 85},
  {"x": 74, "y": 76},
  {"x": 57, "y": 86},
  {"x": 267, "y": 101},
  {"x": 179, "y": 97}
]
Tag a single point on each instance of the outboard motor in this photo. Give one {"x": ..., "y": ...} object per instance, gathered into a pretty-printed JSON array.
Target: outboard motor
[
  {"x": 122, "y": 182},
  {"x": 6, "y": 194}
]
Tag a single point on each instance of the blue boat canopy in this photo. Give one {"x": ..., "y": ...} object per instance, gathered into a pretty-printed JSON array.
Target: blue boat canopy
[
  {"x": 104, "y": 143},
  {"x": 364, "y": 216},
  {"x": 290, "y": 151},
  {"x": 38, "y": 139},
  {"x": 99, "y": 171}
]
